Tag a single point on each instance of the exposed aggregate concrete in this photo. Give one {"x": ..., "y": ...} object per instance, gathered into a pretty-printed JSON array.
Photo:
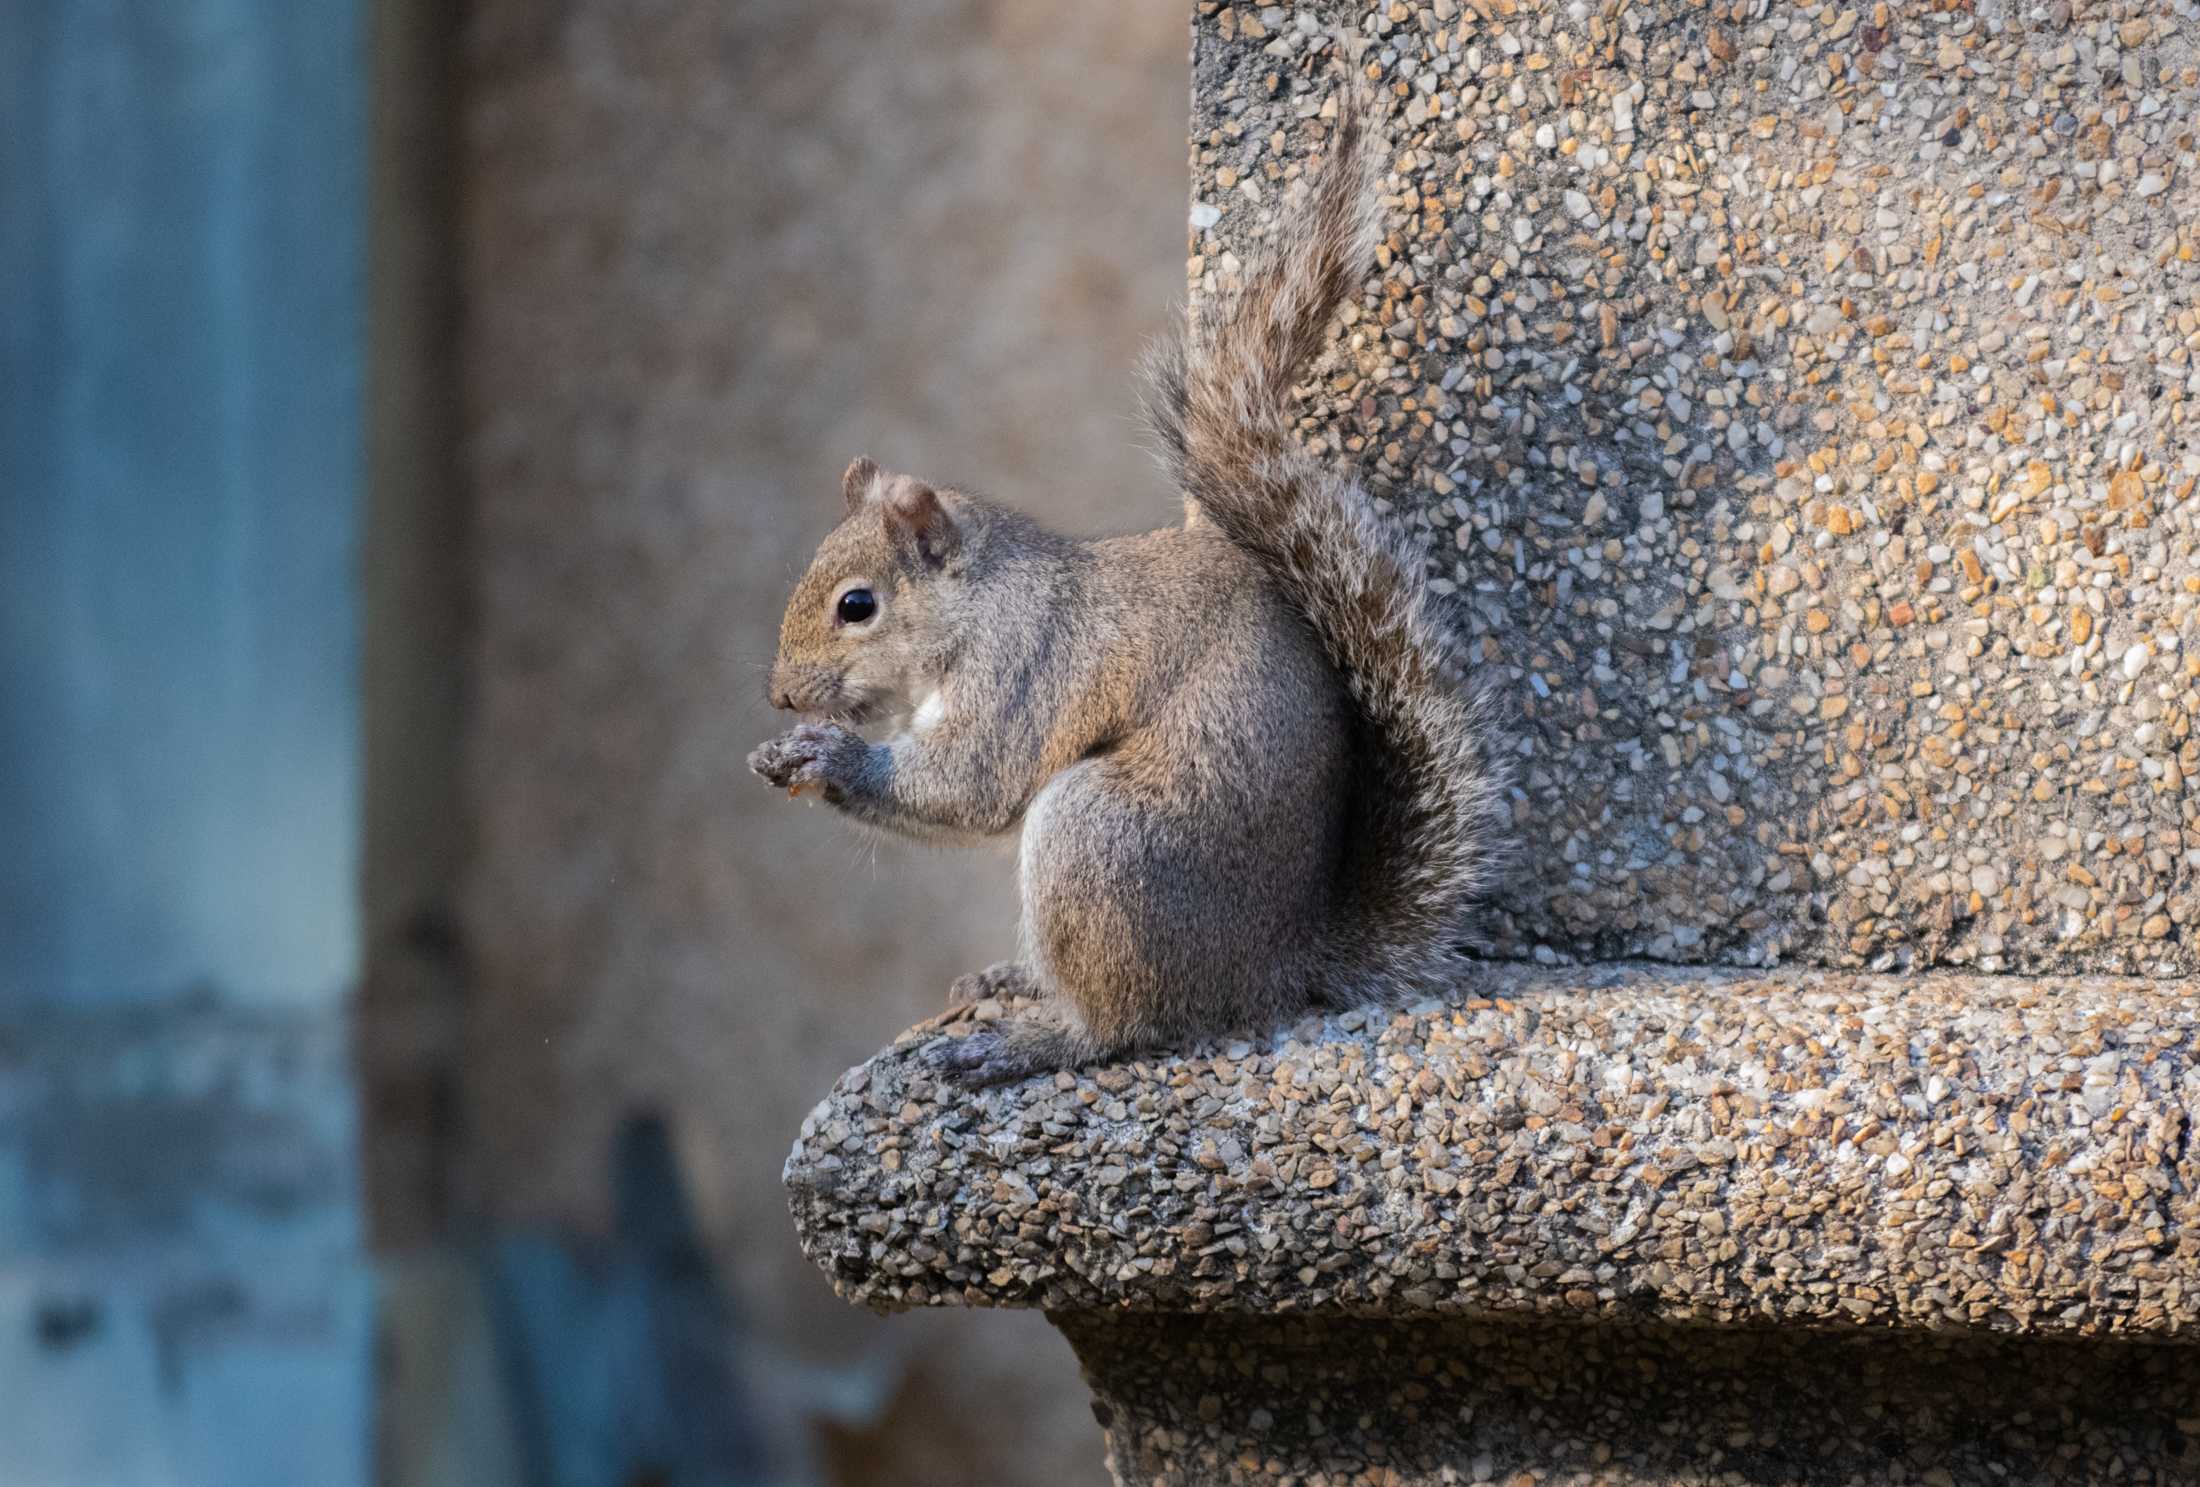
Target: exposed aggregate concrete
[
  {"x": 1211, "y": 1400},
  {"x": 1801, "y": 399},
  {"x": 1927, "y": 1152}
]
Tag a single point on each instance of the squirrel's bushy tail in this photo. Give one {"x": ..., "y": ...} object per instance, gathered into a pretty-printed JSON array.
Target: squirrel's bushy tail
[{"x": 1429, "y": 815}]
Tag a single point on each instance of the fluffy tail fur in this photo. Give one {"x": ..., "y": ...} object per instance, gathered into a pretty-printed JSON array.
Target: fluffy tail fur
[{"x": 1430, "y": 811}]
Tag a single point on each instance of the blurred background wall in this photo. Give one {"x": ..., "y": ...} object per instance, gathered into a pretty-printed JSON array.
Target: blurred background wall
[
  {"x": 184, "y": 1295},
  {"x": 707, "y": 253},
  {"x": 414, "y": 416}
]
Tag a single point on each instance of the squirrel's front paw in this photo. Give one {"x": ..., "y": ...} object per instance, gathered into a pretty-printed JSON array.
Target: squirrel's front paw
[{"x": 810, "y": 757}]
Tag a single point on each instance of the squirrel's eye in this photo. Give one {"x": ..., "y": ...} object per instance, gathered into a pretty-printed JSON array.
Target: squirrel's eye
[{"x": 855, "y": 606}]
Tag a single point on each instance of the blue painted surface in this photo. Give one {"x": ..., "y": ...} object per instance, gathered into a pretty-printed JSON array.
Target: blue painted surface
[
  {"x": 183, "y": 1297},
  {"x": 183, "y": 1379},
  {"x": 181, "y": 228}
]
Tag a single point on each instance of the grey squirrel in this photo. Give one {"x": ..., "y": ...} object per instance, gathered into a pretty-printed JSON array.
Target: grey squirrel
[{"x": 1240, "y": 757}]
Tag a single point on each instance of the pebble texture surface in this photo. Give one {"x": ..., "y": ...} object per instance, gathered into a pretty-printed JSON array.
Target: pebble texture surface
[
  {"x": 1202, "y": 1400},
  {"x": 1926, "y": 1152},
  {"x": 1801, "y": 398}
]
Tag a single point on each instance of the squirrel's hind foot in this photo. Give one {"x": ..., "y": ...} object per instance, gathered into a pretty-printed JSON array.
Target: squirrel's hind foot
[{"x": 1005, "y": 1052}]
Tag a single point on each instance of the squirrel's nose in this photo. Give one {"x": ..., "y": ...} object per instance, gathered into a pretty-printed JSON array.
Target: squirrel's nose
[{"x": 781, "y": 695}]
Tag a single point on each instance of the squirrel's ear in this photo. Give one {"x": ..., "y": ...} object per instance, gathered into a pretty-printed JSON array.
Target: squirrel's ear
[
  {"x": 917, "y": 520},
  {"x": 855, "y": 486}
]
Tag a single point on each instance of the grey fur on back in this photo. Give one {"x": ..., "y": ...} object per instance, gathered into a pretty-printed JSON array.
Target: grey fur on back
[{"x": 1429, "y": 804}]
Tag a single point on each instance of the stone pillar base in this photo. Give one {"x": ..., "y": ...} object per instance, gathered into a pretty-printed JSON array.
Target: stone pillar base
[{"x": 1205, "y": 1399}]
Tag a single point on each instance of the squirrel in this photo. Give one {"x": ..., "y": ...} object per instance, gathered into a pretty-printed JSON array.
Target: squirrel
[{"x": 1241, "y": 758}]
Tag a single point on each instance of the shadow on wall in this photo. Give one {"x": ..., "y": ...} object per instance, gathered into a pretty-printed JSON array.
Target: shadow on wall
[{"x": 543, "y": 1360}]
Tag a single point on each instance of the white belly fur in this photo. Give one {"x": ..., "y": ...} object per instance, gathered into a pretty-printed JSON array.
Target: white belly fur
[{"x": 1032, "y": 838}]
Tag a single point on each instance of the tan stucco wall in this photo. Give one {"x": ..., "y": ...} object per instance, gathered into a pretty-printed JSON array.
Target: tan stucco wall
[{"x": 711, "y": 252}]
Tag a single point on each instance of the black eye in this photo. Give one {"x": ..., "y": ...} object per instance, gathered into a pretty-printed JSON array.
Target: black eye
[{"x": 855, "y": 606}]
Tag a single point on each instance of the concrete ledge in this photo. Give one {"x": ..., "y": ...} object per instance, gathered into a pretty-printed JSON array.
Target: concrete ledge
[{"x": 1924, "y": 1152}]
